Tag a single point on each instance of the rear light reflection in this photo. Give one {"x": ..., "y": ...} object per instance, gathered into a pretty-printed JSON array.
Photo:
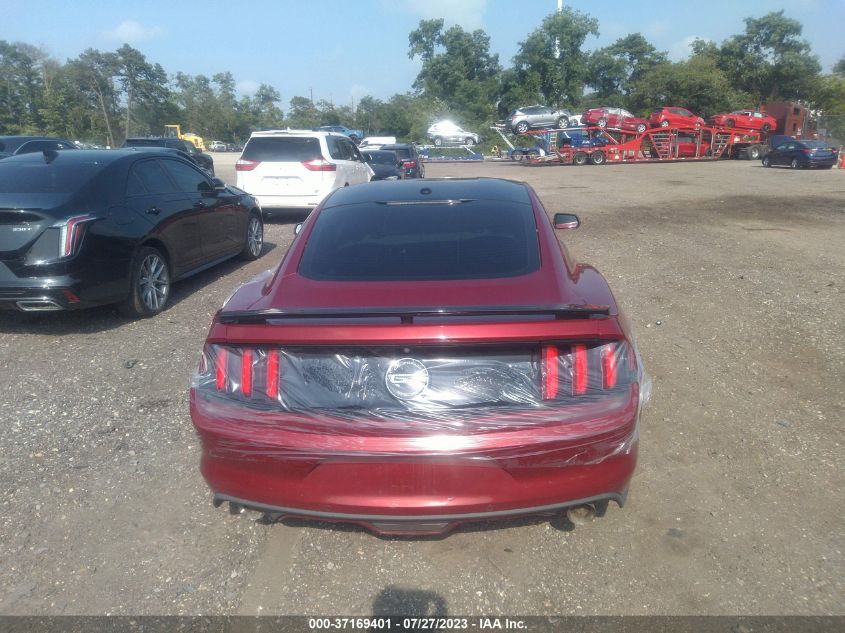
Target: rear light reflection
[
  {"x": 246, "y": 372},
  {"x": 319, "y": 164},
  {"x": 246, "y": 165}
]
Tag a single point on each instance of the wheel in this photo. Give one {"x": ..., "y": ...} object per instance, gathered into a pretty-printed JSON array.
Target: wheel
[
  {"x": 767, "y": 162},
  {"x": 469, "y": 141},
  {"x": 562, "y": 122},
  {"x": 641, "y": 127},
  {"x": 517, "y": 156},
  {"x": 579, "y": 158},
  {"x": 795, "y": 164},
  {"x": 766, "y": 127},
  {"x": 730, "y": 123},
  {"x": 254, "y": 239},
  {"x": 664, "y": 124},
  {"x": 754, "y": 152},
  {"x": 598, "y": 158},
  {"x": 521, "y": 127},
  {"x": 438, "y": 141},
  {"x": 602, "y": 122},
  {"x": 149, "y": 286}
]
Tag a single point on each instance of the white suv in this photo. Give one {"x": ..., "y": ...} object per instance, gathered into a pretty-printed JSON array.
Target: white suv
[{"x": 298, "y": 168}]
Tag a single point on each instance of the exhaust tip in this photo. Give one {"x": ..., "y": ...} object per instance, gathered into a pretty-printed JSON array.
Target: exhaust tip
[
  {"x": 38, "y": 305},
  {"x": 581, "y": 515}
]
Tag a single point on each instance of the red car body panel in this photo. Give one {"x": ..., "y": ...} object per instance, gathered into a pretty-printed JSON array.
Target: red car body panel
[
  {"x": 674, "y": 117},
  {"x": 430, "y": 477},
  {"x": 615, "y": 118},
  {"x": 746, "y": 120}
]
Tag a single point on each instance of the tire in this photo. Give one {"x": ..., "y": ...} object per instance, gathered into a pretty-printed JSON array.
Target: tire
[
  {"x": 254, "y": 238},
  {"x": 598, "y": 158},
  {"x": 754, "y": 152},
  {"x": 149, "y": 284},
  {"x": 562, "y": 122},
  {"x": 767, "y": 162},
  {"x": 664, "y": 124},
  {"x": 438, "y": 141},
  {"x": 795, "y": 164},
  {"x": 521, "y": 127},
  {"x": 469, "y": 141},
  {"x": 766, "y": 128},
  {"x": 579, "y": 158},
  {"x": 730, "y": 123},
  {"x": 641, "y": 127},
  {"x": 517, "y": 156},
  {"x": 602, "y": 122}
]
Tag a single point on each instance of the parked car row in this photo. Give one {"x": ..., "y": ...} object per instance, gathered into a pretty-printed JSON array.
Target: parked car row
[{"x": 220, "y": 146}]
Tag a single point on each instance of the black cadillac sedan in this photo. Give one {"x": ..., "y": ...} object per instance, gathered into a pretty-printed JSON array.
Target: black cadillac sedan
[{"x": 94, "y": 227}]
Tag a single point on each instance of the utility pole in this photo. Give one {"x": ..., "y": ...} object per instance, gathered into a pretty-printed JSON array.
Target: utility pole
[{"x": 557, "y": 40}]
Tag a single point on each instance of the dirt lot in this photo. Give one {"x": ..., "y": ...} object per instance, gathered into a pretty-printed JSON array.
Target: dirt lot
[{"x": 733, "y": 278}]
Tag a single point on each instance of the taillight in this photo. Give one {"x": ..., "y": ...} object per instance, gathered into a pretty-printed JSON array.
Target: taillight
[
  {"x": 241, "y": 372},
  {"x": 319, "y": 164},
  {"x": 246, "y": 165},
  {"x": 579, "y": 369},
  {"x": 808, "y": 151},
  {"x": 409, "y": 163},
  {"x": 71, "y": 233}
]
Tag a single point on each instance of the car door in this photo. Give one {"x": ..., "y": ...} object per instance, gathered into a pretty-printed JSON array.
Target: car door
[
  {"x": 780, "y": 154},
  {"x": 214, "y": 213},
  {"x": 153, "y": 196},
  {"x": 365, "y": 172}
]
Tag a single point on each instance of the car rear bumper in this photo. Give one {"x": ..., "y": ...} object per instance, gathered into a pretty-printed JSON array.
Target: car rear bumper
[
  {"x": 412, "y": 481},
  {"x": 289, "y": 202}
]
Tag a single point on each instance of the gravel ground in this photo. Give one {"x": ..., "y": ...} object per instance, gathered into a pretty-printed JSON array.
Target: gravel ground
[{"x": 732, "y": 276}]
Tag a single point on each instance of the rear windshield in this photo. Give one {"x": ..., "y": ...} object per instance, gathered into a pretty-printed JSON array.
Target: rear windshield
[
  {"x": 401, "y": 152},
  {"x": 381, "y": 242},
  {"x": 298, "y": 149},
  {"x": 381, "y": 158},
  {"x": 39, "y": 177},
  {"x": 815, "y": 144}
]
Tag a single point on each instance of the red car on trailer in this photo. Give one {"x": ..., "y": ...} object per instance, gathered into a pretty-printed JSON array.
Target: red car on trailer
[
  {"x": 745, "y": 120},
  {"x": 614, "y": 118},
  {"x": 426, "y": 354}
]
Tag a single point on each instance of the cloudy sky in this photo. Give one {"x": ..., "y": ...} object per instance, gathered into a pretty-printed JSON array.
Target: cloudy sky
[{"x": 345, "y": 49}]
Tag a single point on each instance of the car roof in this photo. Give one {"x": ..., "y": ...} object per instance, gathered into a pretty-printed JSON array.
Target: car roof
[
  {"x": 397, "y": 146},
  {"x": 11, "y": 143},
  {"x": 289, "y": 132},
  {"x": 102, "y": 156},
  {"x": 431, "y": 190}
]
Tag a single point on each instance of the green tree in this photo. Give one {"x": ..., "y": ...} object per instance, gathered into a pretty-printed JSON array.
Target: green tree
[
  {"x": 144, "y": 90},
  {"x": 95, "y": 73},
  {"x": 770, "y": 60},
  {"x": 21, "y": 90},
  {"x": 613, "y": 70},
  {"x": 457, "y": 68},
  {"x": 552, "y": 58}
]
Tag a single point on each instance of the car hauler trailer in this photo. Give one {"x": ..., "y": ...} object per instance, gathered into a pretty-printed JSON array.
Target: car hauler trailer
[{"x": 607, "y": 145}]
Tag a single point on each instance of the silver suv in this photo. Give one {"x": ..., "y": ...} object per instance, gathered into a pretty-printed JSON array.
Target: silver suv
[
  {"x": 448, "y": 133},
  {"x": 537, "y": 116}
]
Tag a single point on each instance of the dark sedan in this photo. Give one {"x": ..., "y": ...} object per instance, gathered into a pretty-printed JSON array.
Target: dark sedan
[
  {"x": 802, "y": 154},
  {"x": 94, "y": 227},
  {"x": 17, "y": 145},
  {"x": 423, "y": 357},
  {"x": 412, "y": 164},
  {"x": 385, "y": 165},
  {"x": 201, "y": 159}
]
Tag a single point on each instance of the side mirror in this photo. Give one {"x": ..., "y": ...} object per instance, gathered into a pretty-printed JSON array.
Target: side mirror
[
  {"x": 566, "y": 221},
  {"x": 297, "y": 228},
  {"x": 219, "y": 185}
]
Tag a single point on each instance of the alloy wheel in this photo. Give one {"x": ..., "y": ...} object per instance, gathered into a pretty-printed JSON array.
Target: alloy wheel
[
  {"x": 255, "y": 236},
  {"x": 153, "y": 282}
]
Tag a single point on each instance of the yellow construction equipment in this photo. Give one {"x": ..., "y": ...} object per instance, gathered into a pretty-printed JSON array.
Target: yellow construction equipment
[{"x": 175, "y": 131}]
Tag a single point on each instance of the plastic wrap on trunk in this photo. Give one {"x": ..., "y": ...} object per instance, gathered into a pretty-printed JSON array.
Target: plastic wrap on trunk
[{"x": 574, "y": 402}]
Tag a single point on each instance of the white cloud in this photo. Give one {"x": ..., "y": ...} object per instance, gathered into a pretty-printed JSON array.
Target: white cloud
[
  {"x": 247, "y": 87},
  {"x": 132, "y": 32},
  {"x": 466, "y": 13},
  {"x": 681, "y": 49},
  {"x": 357, "y": 91},
  {"x": 656, "y": 28}
]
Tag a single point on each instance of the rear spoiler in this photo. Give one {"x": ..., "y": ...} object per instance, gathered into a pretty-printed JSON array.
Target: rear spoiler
[{"x": 408, "y": 314}]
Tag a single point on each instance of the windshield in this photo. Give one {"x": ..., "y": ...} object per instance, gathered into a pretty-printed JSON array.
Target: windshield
[{"x": 42, "y": 177}]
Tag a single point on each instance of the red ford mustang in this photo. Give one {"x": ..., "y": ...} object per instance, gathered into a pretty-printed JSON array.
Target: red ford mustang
[
  {"x": 425, "y": 355},
  {"x": 746, "y": 120}
]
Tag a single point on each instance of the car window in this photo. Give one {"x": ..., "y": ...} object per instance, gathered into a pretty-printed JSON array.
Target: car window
[
  {"x": 152, "y": 175},
  {"x": 41, "y": 177},
  {"x": 337, "y": 149},
  {"x": 134, "y": 185},
  {"x": 186, "y": 177},
  {"x": 282, "y": 149},
  {"x": 41, "y": 146},
  {"x": 379, "y": 242}
]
